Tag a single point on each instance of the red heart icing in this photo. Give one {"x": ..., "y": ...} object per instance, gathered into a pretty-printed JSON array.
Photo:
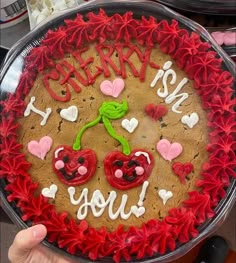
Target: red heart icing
[
  {"x": 182, "y": 170},
  {"x": 125, "y": 172},
  {"x": 156, "y": 112},
  {"x": 74, "y": 167}
]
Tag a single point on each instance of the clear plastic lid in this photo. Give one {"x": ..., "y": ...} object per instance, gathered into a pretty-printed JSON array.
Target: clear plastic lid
[{"x": 12, "y": 69}]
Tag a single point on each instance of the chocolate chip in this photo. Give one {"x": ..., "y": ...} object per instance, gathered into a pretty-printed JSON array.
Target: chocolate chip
[
  {"x": 58, "y": 110},
  {"x": 163, "y": 125}
]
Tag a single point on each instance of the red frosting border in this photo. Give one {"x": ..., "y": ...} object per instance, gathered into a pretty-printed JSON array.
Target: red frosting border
[{"x": 213, "y": 85}]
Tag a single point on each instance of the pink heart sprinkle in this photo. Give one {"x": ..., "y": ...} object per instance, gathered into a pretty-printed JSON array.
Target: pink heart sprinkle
[
  {"x": 219, "y": 37},
  {"x": 112, "y": 88},
  {"x": 168, "y": 150},
  {"x": 41, "y": 148}
]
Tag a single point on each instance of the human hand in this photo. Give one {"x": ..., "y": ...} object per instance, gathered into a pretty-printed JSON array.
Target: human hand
[{"x": 26, "y": 248}]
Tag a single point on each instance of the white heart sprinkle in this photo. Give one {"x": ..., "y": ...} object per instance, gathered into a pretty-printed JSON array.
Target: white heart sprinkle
[
  {"x": 165, "y": 195},
  {"x": 138, "y": 211},
  {"x": 50, "y": 192},
  {"x": 69, "y": 114},
  {"x": 191, "y": 120},
  {"x": 130, "y": 125}
]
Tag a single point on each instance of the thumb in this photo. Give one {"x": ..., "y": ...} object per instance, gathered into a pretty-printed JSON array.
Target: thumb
[{"x": 24, "y": 241}]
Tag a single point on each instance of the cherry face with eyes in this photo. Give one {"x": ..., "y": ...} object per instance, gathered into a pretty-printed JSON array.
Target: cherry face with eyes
[
  {"x": 74, "y": 167},
  {"x": 127, "y": 171}
]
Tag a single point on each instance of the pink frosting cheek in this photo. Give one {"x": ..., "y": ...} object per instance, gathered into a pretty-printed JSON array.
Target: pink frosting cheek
[
  {"x": 139, "y": 170},
  {"x": 118, "y": 173},
  {"x": 59, "y": 165},
  {"x": 82, "y": 170}
]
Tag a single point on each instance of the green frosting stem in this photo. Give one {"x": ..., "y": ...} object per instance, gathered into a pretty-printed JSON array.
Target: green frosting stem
[
  {"x": 109, "y": 128},
  {"x": 77, "y": 143},
  {"x": 109, "y": 110}
]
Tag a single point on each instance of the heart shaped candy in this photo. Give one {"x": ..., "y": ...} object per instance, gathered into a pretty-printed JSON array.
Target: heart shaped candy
[
  {"x": 169, "y": 151},
  {"x": 50, "y": 192},
  {"x": 165, "y": 195},
  {"x": 138, "y": 211},
  {"x": 69, "y": 114},
  {"x": 41, "y": 148},
  {"x": 182, "y": 170},
  {"x": 156, "y": 112},
  {"x": 190, "y": 120},
  {"x": 112, "y": 88},
  {"x": 128, "y": 171},
  {"x": 130, "y": 125},
  {"x": 74, "y": 167}
]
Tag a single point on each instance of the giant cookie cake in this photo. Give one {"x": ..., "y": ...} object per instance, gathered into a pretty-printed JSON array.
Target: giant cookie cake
[{"x": 120, "y": 136}]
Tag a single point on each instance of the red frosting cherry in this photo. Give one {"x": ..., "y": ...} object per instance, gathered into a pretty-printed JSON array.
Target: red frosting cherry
[
  {"x": 125, "y": 172},
  {"x": 74, "y": 167}
]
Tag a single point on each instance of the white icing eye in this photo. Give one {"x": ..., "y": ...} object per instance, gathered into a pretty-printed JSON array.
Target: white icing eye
[
  {"x": 59, "y": 165},
  {"x": 82, "y": 170},
  {"x": 139, "y": 170},
  {"x": 118, "y": 173}
]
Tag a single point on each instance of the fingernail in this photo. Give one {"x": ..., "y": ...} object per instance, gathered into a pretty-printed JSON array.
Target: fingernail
[{"x": 39, "y": 232}]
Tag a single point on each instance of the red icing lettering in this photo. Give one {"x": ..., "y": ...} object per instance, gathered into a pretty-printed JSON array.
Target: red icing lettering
[
  {"x": 125, "y": 57},
  {"x": 54, "y": 75},
  {"x": 106, "y": 59},
  {"x": 67, "y": 75},
  {"x": 146, "y": 61},
  {"x": 84, "y": 65}
]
